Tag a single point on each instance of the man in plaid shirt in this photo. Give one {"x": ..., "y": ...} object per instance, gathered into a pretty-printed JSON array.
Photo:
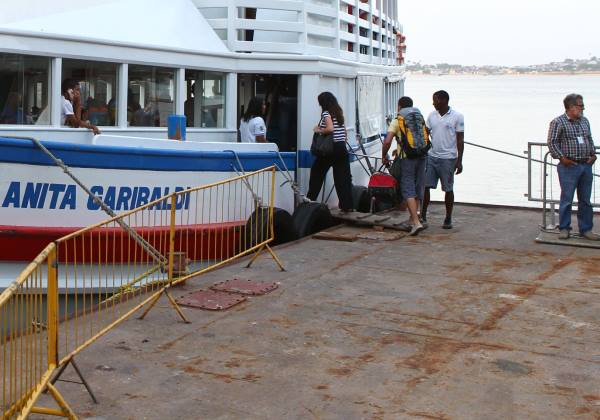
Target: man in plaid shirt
[{"x": 570, "y": 141}]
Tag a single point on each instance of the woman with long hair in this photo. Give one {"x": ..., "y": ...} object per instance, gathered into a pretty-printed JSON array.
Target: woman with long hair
[
  {"x": 332, "y": 122},
  {"x": 252, "y": 125}
]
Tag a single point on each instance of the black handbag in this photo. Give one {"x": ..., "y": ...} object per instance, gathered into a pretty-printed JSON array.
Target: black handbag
[
  {"x": 322, "y": 145},
  {"x": 395, "y": 169}
]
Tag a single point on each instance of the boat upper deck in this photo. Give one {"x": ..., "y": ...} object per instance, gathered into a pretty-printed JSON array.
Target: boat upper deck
[{"x": 476, "y": 322}]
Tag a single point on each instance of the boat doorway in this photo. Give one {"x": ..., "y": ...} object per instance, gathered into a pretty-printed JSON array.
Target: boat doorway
[{"x": 280, "y": 93}]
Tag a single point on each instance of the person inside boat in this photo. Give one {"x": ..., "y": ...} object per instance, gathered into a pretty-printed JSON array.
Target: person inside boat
[
  {"x": 149, "y": 116},
  {"x": 188, "y": 106},
  {"x": 67, "y": 114},
  {"x": 252, "y": 125},
  {"x": 13, "y": 111},
  {"x": 332, "y": 122}
]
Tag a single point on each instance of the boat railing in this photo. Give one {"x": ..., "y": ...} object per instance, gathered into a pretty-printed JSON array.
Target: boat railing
[
  {"x": 86, "y": 283},
  {"x": 542, "y": 180},
  {"x": 355, "y": 33},
  {"x": 543, "y": 184}
]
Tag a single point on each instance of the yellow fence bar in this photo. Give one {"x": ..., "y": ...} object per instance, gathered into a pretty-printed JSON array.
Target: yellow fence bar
[
  {"x": 172, "y": 235},
  {"x": 23, "y": 340},
  {"x": 52, "y": 310},
  {"x": 85, "y": 284}
]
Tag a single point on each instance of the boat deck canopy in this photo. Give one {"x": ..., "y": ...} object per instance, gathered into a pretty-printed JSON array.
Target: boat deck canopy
[{"x": 176, "y": 24}]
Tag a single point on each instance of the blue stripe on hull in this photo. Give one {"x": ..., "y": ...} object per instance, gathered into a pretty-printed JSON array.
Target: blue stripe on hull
[{"x": 114, "y": 157}]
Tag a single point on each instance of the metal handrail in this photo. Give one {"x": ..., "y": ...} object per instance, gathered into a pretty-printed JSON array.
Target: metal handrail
[{"x": 545, "y": 173}]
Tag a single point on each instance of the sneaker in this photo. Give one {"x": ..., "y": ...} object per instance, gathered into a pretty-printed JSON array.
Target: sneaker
[
  {"x": 564, "y": 234},
  {"x": 447, "y": 224},
  {"x": 405, "y": 226},
  {"x": 414, "y": 231},
  {"x": 590, "y": 236}
]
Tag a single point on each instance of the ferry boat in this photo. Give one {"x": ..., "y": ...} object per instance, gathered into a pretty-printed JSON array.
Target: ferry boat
[{"x": 139, "y": 61}]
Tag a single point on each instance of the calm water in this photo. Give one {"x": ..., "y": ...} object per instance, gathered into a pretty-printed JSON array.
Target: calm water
[{"x": 503, "y": 112}]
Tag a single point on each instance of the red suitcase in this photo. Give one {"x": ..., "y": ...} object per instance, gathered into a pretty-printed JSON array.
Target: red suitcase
[{"x": 384, "y": 189}]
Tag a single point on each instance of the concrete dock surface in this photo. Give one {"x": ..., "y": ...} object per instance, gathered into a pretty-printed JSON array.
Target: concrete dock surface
[{"x": 477, "y": 322}]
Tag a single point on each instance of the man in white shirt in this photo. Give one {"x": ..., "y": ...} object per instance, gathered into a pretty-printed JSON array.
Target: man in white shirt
[
  {"x": 447, "y": 130},
  {"x": 70, "y": 94}
]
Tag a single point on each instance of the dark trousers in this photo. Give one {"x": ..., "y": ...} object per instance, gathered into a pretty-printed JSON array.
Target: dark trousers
[{"x": 341, "y": 175}]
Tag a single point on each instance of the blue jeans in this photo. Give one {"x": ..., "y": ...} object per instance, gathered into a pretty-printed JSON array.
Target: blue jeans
[{"x": 578, "y": 177}]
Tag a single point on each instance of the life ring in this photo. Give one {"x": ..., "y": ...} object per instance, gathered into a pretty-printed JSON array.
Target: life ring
[
  {"x": 311, "y": 217},
  {"x": 257, "y": 227},
  {"x": 361, "y": 199}
]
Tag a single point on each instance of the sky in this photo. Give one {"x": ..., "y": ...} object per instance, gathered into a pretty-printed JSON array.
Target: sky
[{"x": 502, "y": 32}]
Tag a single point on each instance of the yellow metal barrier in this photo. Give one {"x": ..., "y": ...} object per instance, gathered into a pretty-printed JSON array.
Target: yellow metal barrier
[
  {"x": 28, "y": 333},
  {"x": 88, "y": 282}
]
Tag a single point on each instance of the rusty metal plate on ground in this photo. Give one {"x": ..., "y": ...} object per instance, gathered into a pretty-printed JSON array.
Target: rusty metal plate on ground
[
  {"x": 245, "y": 286},
  {"x": 210, "y": 299}
]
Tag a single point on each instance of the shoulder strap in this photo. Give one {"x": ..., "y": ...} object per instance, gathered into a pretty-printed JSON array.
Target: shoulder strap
[{"x": 402, "y": 124}]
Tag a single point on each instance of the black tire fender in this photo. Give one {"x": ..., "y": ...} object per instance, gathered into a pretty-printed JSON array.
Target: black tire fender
[
  {"x": 361, "y": 199},
  {"x": 257, "y": 227},
  {"x": 310, "y": 218}
]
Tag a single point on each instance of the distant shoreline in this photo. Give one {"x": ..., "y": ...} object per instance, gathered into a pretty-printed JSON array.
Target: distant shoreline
[{"x": 548, "y": 73}]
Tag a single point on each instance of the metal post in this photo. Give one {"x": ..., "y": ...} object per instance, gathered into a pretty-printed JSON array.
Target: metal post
[
  {"x": 172, "y": 236},
  {"x": 122, "y": 96},
  {"x": 272, "y": 206},
  {"x": 180, "y": 91},
  {"x": 544, "y": 201},
  {"x": 54, "y": 100},
  {"x": 52, "y": 309},
  {"x": 528, "y": 152}
]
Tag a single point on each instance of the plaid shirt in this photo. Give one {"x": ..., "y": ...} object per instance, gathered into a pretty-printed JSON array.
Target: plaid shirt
[{"x": 563, "y": 138}]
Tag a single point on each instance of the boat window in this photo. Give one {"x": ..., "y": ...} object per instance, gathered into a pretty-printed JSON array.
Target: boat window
[
  {"x": 24, "y": 84},
  {"x": 98, "y": 89},
  {"x": 205, "y": 103},
  {"x": 150, "y": 96}
]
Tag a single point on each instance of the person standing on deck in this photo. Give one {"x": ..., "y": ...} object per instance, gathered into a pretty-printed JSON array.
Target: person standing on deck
[
  {"x": 412, "y": 169},
  {"x": 570, "y": 141},
  {"x": 447, "y": 130},
  {"x": 332, "y": 122},
  {"x": 252, "y": 126}
]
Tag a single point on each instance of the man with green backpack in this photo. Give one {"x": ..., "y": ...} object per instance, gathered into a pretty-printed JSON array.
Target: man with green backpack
[{"x": 412, "y": 137}]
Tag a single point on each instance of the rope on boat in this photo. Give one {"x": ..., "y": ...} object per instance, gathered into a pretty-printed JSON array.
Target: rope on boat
[
  {"x": 240, "y": 172},
  {"x": 154, "y": 253},
  {"x": 362, "y": 149},
  {"x": 290, "y": 179}
]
